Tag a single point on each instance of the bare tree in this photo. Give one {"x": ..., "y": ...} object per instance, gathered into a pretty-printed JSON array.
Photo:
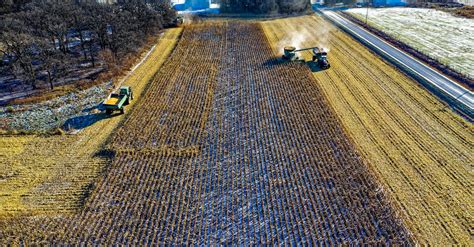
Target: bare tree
[
  {"x": 49, "y": 37},
  {"x": 18, "y": 44},
  {"x": 166, "y": 12},
  {"x": 52, "y": 62},
  {"x": 266, "y": 6}
]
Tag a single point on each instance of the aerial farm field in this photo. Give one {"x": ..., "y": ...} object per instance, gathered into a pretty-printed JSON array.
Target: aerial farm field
[
  {"x": 420, "y": 151},
  {"x": 440, "y": 35},
  {"x": 227, "y": 145},
  {"x": 52, "y": 174}
]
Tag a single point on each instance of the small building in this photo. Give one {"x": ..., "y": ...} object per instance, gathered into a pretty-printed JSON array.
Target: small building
[
  {"x": 181, "y": 5},
  {"x": 197, "y": 4},
  {"x": 389, "y": 2}
]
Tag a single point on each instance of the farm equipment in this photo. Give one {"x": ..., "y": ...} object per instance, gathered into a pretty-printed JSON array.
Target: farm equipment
[
  {"x": 290, "y": 53},
  {"x": 118, "y": 101},
  {"x": 319, "y": 55}
]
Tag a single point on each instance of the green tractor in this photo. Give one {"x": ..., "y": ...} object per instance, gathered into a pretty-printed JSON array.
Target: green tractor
[{"x": 118, "y": 101}]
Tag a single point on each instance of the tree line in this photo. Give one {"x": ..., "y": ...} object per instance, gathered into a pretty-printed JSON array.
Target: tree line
[
  {"x": 42, "y": 40},
  {"x": 265, "y": 6}
]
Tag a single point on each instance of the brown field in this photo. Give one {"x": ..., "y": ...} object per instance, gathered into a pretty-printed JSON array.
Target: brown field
[
  {"x": 227, "y": 146},
  {"x": 52, "y": 174},
  {"x": 420, "y": 151}
]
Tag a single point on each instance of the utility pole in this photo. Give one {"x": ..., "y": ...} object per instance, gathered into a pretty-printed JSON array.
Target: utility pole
[{"x": 367, "y": 13}]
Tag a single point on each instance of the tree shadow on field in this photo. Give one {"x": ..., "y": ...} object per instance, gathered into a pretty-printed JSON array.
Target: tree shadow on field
[{"x": 87, "y": 190}]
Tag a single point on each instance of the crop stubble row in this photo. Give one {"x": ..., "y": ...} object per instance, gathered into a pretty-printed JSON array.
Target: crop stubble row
[
  {"x": 50, "y": 174},
  {"x": 418, "y": 150},
  {"x": 230, "y": 145}
]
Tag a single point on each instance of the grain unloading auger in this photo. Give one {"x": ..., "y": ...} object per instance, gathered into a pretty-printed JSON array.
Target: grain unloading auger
[{"x": 319, "y": 55}]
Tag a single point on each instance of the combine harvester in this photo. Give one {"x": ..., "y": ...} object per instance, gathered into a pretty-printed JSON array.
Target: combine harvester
[
  {"x": 319, "y": 55},
  {"x": 118, "y": 101}
]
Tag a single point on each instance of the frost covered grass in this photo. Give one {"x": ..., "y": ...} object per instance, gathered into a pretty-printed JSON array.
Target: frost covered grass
[
  {"x": 440, "y": 35},
  {"x": 51, "y": 114}
]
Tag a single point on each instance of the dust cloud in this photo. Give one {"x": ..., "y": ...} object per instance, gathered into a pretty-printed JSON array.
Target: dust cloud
[{"x": 304, "y": 37}]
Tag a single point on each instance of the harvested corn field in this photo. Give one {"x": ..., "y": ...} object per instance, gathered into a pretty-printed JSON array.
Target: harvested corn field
[
  {"x": 228, "y": 145},
  {"x": 53, "y": 174},
  {"x": 420, "y": 151}
]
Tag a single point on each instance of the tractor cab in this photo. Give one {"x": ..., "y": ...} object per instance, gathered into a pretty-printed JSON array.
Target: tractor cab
[
  {"x": 125, "y": 90},
  {"x": 321, "y": 57}
]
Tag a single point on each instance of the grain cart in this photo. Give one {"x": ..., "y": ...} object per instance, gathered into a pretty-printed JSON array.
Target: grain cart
[
  {"x": 319, "y": 55},
  {"x": 118, "y": 101},
  {"x": 289, "y": 53}
]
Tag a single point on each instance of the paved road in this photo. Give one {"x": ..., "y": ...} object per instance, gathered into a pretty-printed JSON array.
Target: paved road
[{"x": 456, "y": 95}]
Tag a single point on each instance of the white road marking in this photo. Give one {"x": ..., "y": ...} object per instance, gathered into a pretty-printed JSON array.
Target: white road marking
[{"x": 454, "y": 86}]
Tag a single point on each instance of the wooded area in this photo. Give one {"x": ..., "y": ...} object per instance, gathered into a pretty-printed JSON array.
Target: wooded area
[
  {"x": 43, "y": 41},
  {"x": 265, "y": 6}
]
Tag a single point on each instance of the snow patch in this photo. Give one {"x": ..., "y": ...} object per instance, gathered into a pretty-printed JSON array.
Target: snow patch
[{"x": 438, "y": 34}]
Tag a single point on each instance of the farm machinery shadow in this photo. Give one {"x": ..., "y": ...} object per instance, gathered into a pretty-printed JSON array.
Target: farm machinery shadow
[
  {"x": 312, "y": 65},
  {"x": 94, "y": 114}
]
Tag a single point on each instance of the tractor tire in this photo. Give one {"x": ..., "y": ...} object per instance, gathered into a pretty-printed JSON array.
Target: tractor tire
[
  {"x": 108, "y": 111},
  {"x": 122, "y": 111}
]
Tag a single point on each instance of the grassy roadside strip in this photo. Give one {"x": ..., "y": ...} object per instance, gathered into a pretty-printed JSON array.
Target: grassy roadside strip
[{"x": 51, "y": 174}]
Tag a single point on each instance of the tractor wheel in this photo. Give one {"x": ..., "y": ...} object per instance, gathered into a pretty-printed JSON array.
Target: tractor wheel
[
  {"x": 108, "y": 111},
  {"x": 122, "y": 111}
]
